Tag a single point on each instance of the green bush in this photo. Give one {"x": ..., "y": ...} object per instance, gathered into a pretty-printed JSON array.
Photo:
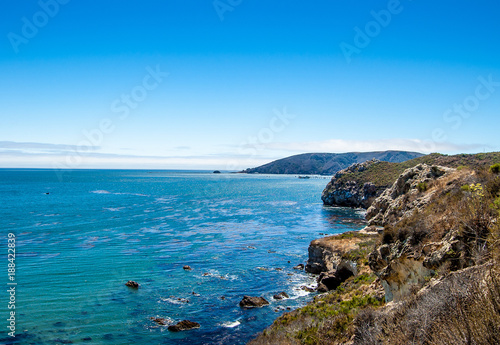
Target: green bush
[
  {"x": 495, "y": 168},
  {"x": 422, "y": 187}
]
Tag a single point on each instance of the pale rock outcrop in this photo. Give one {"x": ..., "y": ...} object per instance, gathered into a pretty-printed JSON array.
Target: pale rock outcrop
[{"x": 406, "y": 194}]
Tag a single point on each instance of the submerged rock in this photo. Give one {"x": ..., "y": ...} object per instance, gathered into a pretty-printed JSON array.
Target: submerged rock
[
  {"x": 132, "y": 284},
  {"x": 184, "y": 325},
  {"x": 253, "y": 302},
  {"x": 160, "y": 320}
]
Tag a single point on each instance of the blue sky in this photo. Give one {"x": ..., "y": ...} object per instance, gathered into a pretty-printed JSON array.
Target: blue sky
[{"x": 231, "y": 84}]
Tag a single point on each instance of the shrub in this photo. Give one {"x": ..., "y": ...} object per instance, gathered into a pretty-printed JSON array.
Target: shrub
[
  {"x": 422, "y": 187},
  {"x": 495, "y": 168}
]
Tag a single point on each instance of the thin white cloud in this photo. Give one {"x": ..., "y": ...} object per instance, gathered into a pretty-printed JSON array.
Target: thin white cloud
[{"x": 38, "y": 147}]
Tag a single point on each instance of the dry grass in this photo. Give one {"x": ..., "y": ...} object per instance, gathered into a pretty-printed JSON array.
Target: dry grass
[{"x": 463, "y": 308}]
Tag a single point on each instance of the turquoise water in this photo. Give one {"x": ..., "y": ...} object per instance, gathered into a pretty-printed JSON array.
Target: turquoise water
[{"x": 95, "y": 230}]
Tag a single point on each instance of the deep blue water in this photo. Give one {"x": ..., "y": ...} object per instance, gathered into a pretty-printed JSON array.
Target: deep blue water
[{"x": 95, "y": 230}]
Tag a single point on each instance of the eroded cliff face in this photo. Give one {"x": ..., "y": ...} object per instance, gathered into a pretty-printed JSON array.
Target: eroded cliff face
[
  {"x": 325, "y": 254},
  {"x": 406, "y": 260},
  {"x": 350, "y": 193},
  {"x": 411, "y": 191}
]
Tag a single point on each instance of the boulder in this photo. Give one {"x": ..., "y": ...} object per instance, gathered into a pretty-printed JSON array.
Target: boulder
[
  {"x": 253, "y": 302},
  {"x": 299, "y": 267},
  {"x": 281, "y": 295},
  {"x": 132, "y": 284},
  {"x": 184, "y": 325},
  {"x": 187, "y": 268}
]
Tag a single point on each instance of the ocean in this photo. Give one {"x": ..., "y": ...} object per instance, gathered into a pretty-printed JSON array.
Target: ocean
[{"x": 81, "y": 235}]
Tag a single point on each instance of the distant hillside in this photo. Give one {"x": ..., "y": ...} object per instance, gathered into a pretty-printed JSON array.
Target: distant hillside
[{"x": 328, "y": 163}]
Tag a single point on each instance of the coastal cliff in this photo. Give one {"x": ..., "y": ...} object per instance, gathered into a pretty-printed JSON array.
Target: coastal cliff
[
  {"x": 425, "y": 269},
  {"x": 342, "y": 191}
]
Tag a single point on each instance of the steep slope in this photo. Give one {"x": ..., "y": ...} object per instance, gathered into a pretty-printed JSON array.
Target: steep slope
[{"x": 327, "y": 163}]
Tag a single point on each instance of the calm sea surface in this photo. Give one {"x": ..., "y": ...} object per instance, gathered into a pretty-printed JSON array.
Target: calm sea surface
[{"x": 96, "y": 229}]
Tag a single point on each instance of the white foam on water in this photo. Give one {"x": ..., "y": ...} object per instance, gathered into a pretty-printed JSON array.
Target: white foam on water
[
  {"x": 230, "y": 324},
  {"x": 100, "y": 192}
]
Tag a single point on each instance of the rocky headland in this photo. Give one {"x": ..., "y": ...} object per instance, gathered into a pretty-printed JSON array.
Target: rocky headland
[{"x": 424, "y": 271}]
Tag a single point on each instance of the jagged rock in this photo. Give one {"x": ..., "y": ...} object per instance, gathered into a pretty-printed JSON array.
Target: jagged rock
[
  {"x": 281, "y": 295},
  {"x": 406, "y": 194},
  {"x": 253, "y": 302},
  {"x": 132, "y": 284},
  {"x": 306, "y": 288},
  {"x": 299, "y": 267},
  {"x": 184, "y": 325},
  {"x": 350, "y": 193}
]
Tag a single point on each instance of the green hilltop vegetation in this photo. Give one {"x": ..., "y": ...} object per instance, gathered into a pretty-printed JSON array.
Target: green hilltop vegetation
[{"x": 383, "y": 174}]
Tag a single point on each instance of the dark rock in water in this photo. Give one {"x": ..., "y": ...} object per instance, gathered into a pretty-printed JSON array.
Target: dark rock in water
[
  {"x": 132, "y": 284},
  {"x": 253, "y": 302},
  {"x": 307, "y": 288},
  {"x": 47, "y": 193},
  {"x": 206, "y": 274},
  {"x": 278, "y": 269},
  {"x": 159, "y": 320},
  {"x": 251, "y": 247},
  {"x": 108, "y": 336},
  {"x": 216, "y": 172},
  {"x": 87, "y": 339},
  {"x": 299, "y": 267},
  {"x": 222, "y": 298},
  {"x": 281, "y": 295},
  {"x": 59, "y": 324},
  {"x": 184, "y": 325},
  {"x": 187, "y": 267}
]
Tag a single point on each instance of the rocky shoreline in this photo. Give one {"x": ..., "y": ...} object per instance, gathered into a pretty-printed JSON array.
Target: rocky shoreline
[{"x": 399, "y": 257}]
